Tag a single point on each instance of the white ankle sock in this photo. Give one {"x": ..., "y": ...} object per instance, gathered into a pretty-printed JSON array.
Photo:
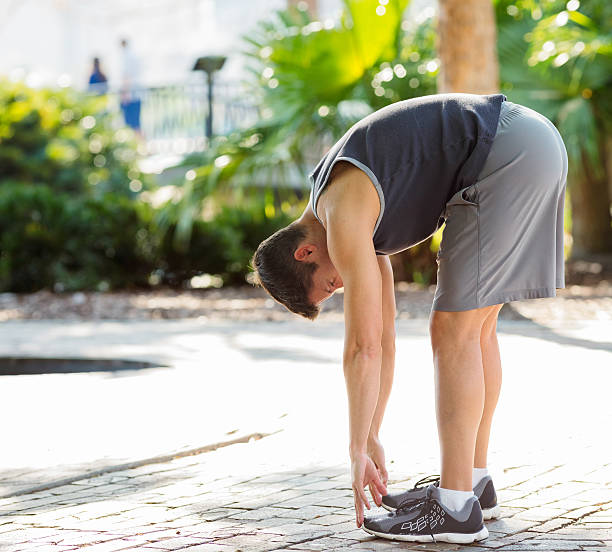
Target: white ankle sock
[
  {"x": 454, "y": 500},
  {"x": 478, "y": 474}
]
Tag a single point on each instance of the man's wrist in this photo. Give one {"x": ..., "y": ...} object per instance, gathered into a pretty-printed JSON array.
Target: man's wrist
[{"x": 357, "y": 450}]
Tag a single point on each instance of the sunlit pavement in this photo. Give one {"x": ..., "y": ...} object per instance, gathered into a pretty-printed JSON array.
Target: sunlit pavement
[{"x": 551, "y": 452}]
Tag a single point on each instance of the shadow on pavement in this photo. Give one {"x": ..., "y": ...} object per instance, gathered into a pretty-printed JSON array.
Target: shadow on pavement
[{"x": 538, "y": 331}]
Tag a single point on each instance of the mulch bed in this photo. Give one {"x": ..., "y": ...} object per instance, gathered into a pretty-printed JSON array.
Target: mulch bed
[{"x": 577, "y": 302}]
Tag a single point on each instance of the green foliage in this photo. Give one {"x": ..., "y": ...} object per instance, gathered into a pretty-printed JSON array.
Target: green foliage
[
  {"x": 573, "y": 49},
  {"x": 69, "y": 221},
  {"x": 411, "y": 72},
  {"x": 51, "y": 240},
  {"x": 64, "y": 139},
  {"x": 252, "y": 223},
  {"x": 211, "y": 249},
  {"x": 558, "y": 61},
  {"x": 298, "y": 62},
  {"x": 313, "y": 81},
  {"x": 68, "y": 218},
  {"x": 222, "y": 246},
  {"x": 556, "y": 57}
]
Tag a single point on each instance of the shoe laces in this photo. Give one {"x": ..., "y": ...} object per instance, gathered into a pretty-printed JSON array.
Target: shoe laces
[
  {"x": 426, "y": 481},
  {"x": 423, "y": 504},
  {"x": 412, "y": 504}
]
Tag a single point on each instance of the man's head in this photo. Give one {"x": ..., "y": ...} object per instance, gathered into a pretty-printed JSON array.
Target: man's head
[{"x": 294, "y": 267}]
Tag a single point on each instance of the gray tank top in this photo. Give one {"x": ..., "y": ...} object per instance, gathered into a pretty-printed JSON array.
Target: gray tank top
[{"x": 417, "y": 153}]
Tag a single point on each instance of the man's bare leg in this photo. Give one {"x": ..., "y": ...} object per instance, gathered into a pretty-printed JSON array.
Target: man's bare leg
[
  {"x": 491, "y": 364},
  {"x": 460, "y": 390}
]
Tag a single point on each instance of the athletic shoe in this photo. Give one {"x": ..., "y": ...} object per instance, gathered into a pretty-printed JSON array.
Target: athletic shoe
[
  {"x": 426, "y": 520},
  {"x": 484, "y": 491}
]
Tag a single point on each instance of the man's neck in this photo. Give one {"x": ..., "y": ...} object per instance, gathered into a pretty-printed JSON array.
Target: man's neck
[{"x": 312, "y": 224}]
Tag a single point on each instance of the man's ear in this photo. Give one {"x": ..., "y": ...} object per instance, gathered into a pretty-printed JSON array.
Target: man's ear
[{"x": 304, "y": 252}]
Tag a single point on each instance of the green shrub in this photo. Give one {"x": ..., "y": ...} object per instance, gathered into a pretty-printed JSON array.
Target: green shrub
[
  {"x": 69, "y": 219},
  {"x": 55, "y": 241},
  {"x": 69, "y": 185},
  {"x": 224, "y": 245},
  {"x": 253, "y": 222},
  {"x": 210, "y": 250},
  {"x": 64, "y": 139},
  {"x": 62, "y": 242}
]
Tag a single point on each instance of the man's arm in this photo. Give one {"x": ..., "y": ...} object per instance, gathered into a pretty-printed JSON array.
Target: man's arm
[
  {"x": 375, "y": 449},
  {"x": 362, "y": 345},
  {"x": 362, "y": 361},
  {"x": 350, "y": 213}
]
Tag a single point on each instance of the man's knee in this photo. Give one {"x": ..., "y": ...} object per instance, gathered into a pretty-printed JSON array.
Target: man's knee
[
  {"x": 447, "y": 328},
  {"x": 451, "y": 328},
  {"x": 489, "y": 327}
]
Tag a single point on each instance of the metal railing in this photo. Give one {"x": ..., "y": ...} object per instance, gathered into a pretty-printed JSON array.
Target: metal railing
[{"x": 173, "y": 117}]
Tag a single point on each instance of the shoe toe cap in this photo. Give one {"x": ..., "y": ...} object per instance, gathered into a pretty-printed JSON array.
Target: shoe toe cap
[{"x": 380, "y": 522}]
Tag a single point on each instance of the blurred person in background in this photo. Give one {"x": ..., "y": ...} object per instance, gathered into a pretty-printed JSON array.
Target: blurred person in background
[
  {"x": 129, "y": 89},
  {"x": 98, "y": 83}
]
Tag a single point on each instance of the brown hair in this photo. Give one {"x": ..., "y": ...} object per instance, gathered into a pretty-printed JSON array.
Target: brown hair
[{"x": 281, "y": 275}]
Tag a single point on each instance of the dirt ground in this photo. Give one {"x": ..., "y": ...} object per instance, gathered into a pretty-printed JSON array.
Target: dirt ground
[{"x": 576, "y": 302}]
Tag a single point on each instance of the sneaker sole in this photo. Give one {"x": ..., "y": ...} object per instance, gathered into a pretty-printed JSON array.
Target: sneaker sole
[
  {"x": 454, "y": 538},
  {"x": 487, "y": 514}
]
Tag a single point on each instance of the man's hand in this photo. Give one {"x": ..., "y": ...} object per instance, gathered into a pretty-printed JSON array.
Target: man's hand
[
  {"x": 364, "y": 474},
  {"x": 377, "y": 455}
]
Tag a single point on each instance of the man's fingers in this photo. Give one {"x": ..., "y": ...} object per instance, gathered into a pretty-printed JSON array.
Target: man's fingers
[
  {"x": 382, "y": 487},
  {"x": 358, "y": 510},
  {"x": 376, "y": 496},
  {"x": 378, "y": 483},
  {"x": 385, "y": 476},
  {"x": 363, "y": 497}
]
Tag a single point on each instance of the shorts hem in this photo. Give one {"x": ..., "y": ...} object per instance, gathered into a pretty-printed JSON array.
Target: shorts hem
[{"x": 501, "y": 298}]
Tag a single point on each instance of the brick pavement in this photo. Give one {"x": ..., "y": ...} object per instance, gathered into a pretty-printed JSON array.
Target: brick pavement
[
  {"x": 551, "y": 456},
  {"x": 263, "y": 496}
]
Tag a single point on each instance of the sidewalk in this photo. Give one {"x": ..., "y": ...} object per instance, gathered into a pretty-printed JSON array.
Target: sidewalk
[{"x": 290, "y": 490}]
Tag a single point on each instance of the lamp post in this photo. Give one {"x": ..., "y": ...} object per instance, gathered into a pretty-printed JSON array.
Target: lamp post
[{"x": 209, "y": 64}]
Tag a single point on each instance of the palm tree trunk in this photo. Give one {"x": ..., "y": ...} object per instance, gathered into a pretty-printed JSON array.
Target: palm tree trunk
[
  {"x": 466, "y": 45},
  {"x": 590, "y": 199}
]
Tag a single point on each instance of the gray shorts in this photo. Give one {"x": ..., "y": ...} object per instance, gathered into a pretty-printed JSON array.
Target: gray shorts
[{"x": 503, "y": 239}]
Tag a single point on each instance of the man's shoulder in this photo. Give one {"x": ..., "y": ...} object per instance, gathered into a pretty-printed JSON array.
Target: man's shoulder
[
  {"x": 341, "y": 167},
  {"x": 349, "y": 194}
]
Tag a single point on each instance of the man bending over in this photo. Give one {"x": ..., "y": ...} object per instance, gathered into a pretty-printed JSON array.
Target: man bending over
[{"x": 495, "y": 173}]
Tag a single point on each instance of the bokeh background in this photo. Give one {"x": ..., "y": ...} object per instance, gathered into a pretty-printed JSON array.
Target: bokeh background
[
  {"x": 133, "y": 192},
  {"x": 168, "y": 162}
]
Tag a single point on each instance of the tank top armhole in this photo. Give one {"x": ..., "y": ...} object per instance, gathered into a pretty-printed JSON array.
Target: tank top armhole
[{"x": 381, "y": 197}]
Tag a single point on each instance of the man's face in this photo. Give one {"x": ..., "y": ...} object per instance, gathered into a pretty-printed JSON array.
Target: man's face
[{"x": 325, "y": 281}]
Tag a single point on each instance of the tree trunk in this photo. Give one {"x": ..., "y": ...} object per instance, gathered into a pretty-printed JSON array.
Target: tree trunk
[
  {"x": 311, "y": 4},
  {"x": 608, "y": 148},
  {"x": 466, "y": 45},
  {"x": 590, "y": 199}
]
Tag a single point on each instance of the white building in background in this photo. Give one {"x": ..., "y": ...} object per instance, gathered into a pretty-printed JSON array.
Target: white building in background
[{"x": 51, "y": 42}]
